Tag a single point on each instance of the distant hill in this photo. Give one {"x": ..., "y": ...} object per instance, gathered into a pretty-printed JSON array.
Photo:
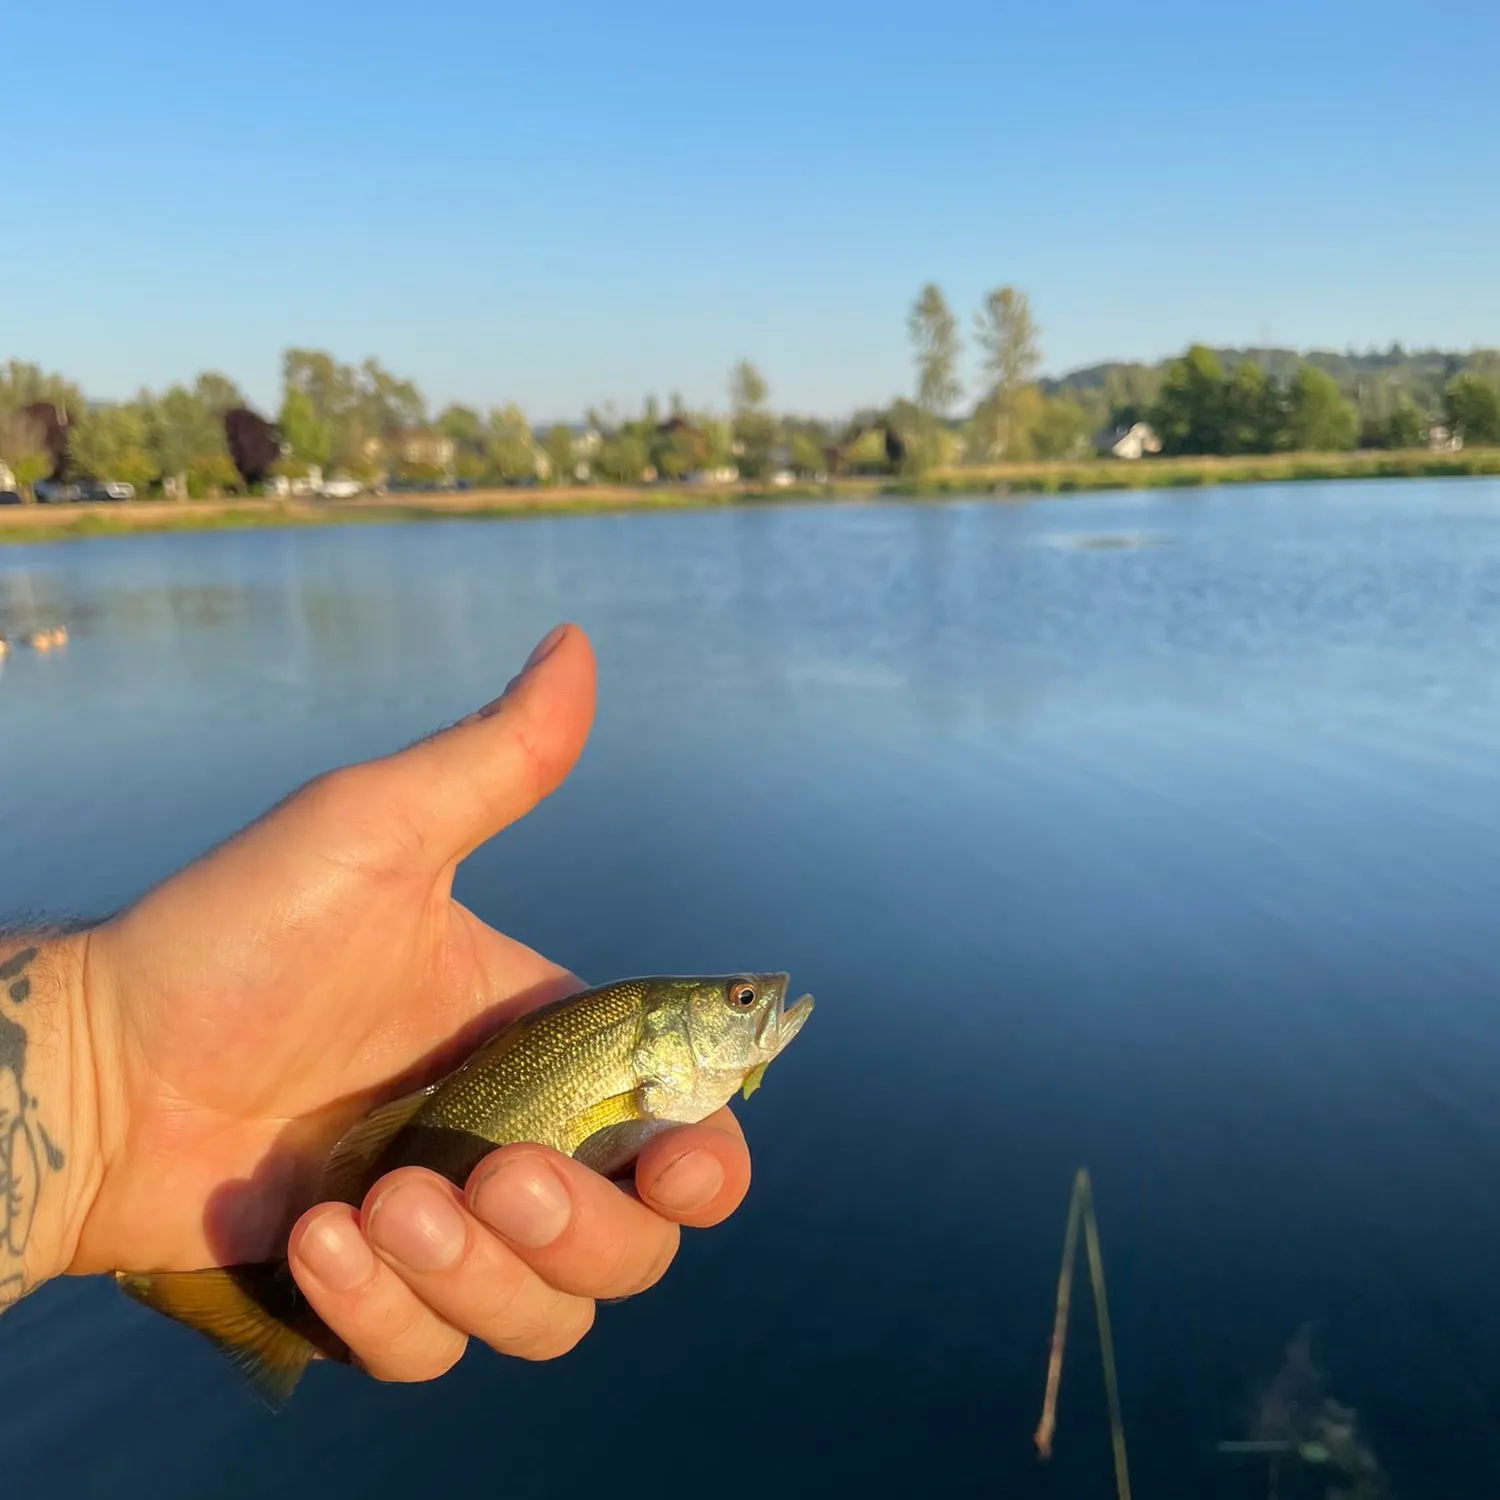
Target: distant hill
[{"x": 1370, "y": 379}]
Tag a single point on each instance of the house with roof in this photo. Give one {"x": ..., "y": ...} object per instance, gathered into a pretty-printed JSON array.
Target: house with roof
[{"x": 1132, "y": 440}]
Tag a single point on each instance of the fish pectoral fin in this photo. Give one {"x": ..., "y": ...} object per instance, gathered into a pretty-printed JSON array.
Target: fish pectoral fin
[
  {"x": 617, "y": 1109},
  {"x": 269, "y": 1354},
  {"x": 611, "y": 1151},
  {"x": 357, "y": 1149},
  {"x": 752, "y": 1080}
]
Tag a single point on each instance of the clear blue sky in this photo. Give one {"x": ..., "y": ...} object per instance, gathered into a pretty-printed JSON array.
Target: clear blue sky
[{"x": 583, "y": 202}]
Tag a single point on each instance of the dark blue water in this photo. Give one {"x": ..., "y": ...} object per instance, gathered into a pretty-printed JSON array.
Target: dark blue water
[{"x": 1180, "y": 861}]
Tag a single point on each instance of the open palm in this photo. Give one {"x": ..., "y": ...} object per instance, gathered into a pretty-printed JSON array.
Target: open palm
[{"x": 251, "y": 1007}]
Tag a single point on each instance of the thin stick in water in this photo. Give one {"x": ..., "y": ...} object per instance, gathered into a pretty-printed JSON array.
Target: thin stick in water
[{"x": 1081, "y": 1207}]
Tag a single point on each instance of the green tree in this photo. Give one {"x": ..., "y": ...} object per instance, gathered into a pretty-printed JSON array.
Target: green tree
[
  {"x": 1007, "y": 335},
  {"x": 211, "y": 474},
  {"x": 1189, "y": 412},
  {"x": 621, "y": 458},
  {"x": 1405, "y": 427},
  {"x": 180, "y": 431},
  {"x": 679, "y": 450},
  {"x": 1472, "y": 405},
  {"x": 1318, "y": 418},
  {"x": 21, "y": 384},
  {"x": 1060, "y": 429},
  {"x": 511, "y": 452},
  {"x": 747, "y": 388},
  {"x": 359, "y": 407},
  {"x": 388, "y": 403},
  {"x": 111, "y": 443},
  {"x": 1253, "y": 417},
  {"x": 754, "y": 426},
  {"x": 934, "y": 336},
  {"x": 218, "y": 393},
  {"x": 559, "y": 449},
  {"x": 463, "y": 424},
  {"x": 916, "y": 430},
  {"x": 23, "y": 449},
  {"x": 303, "y": 430},
  {"x": 807, "y": 455}
]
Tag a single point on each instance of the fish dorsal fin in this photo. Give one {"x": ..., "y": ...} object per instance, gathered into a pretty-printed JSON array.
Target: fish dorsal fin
[
  {"x": 350, "y": 1160},
  {"x": 268, "y": 1353}
]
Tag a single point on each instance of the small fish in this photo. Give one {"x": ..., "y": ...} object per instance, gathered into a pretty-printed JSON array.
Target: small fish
[{"x": 594, "y": 1075}]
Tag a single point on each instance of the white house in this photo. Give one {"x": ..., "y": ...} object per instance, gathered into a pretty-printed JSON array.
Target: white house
[
  {"x": 7, "y": 479},
  {"x": 1134, "y": 441},
  {"x": 1440, "y": 440}
]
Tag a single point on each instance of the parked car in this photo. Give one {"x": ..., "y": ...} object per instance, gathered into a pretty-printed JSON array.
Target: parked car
[
  {"x": 340, "y": 489},
  {"x": 9, "y": 497},
  {"x": 106, "y": 489},
  {"x": 52, "y": 492}
]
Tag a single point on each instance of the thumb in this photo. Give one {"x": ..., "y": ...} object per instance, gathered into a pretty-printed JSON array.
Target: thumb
[{"x": 464, "y": 784}]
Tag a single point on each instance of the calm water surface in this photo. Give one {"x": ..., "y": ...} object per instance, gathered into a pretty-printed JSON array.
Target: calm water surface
[{"x": 1178, "y": 860}]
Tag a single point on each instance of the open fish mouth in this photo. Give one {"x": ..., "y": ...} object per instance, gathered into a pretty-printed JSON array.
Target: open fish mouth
[{"x": 780, "y": 1024}]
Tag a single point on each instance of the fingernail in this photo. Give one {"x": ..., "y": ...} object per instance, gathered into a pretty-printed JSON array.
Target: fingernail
[
  {"x": 418, "y": 1224},
  {"x": 523, "y": 1199},
  {"x": 546, "y": 646},
  {"x": 539, "y": 653},
  {"x": 692, "y": 1181},
  {"x": 335, "y": 1252}
]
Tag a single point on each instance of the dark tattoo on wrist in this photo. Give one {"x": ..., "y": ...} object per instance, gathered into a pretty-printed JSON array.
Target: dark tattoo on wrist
[
  {"x": 13, "y": 972},
  {"x": 26, "y": 1150}
]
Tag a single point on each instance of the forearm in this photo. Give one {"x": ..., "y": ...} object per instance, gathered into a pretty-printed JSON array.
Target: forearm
[{"x": 48, "y": 1106}]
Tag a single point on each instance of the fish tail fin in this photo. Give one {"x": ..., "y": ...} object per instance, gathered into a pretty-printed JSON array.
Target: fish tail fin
[{"x": 267, "y": 1352}]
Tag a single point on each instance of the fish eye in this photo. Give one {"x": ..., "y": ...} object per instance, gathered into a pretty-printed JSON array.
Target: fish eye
[{"x": 742, "y": 996}]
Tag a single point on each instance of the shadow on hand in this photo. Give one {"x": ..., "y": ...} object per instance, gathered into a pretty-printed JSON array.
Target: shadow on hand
[{"x": 249, "y": 1219}]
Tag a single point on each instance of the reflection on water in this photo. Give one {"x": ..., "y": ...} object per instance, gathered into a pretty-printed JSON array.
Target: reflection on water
[{"x": 1178, "y": 861}]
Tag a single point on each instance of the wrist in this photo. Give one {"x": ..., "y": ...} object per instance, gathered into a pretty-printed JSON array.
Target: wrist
[{"x": 49, "y": 1158}]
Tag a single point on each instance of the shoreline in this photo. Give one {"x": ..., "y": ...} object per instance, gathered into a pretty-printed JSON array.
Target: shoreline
[{"x": 42, "y": 523}]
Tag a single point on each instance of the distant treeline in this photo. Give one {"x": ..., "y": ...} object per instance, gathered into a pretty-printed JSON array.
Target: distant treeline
[{"x": 362, "y": 421}]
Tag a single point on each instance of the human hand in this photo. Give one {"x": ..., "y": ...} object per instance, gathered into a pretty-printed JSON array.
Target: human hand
[{"x": 225, "y": 1030}]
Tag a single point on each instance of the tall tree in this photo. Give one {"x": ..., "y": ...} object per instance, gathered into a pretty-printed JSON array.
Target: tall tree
[
  {"x": 1405, "y": 427},
  {"x": 1318, "y": 419},
  {"x": 217, "y": 392},
  {"x": 23, "y": 448},
  {"x": 512, "y": 453},
  {"x": 1007, "y": 335},
  {"x": 754, "y": 427},
  {"x": 1252, "y": 410},
  {"x": 1472, "y": 405},
  {"x": 934, "y": 336},
  {"x": 111, "y": 443},
  {"x": 559, "y": 446},
  {"x": 462, "y": 423},
  {"x": 23, "y": 385},
  {"x": 183, "y": 434},
  {"x": 305, "y": 431},
  {"x": 1189, "y": 412},
  {"x": 747, "y": 388}
]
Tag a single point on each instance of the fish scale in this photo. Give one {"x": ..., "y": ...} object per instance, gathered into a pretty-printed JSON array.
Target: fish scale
[{"x": 593, "y": 1075}]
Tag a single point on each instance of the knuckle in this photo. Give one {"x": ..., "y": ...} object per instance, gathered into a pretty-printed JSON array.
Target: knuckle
[
  {"x": 427, "y": 1361},
  {"x": 558, "y": 1335},
  {"x": 641, "y": 1261},
  {"x": 661, "y": 1261}
]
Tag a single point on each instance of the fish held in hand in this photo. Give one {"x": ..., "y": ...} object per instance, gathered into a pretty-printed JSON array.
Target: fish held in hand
[{"x": 594, "y": 1075}]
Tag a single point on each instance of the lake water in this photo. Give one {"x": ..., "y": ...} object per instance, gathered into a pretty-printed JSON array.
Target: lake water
[{"x": 1178, "y": 860}]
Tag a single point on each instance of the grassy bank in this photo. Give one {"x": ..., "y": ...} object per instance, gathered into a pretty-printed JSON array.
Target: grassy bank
[
  {"x": 1178, "y": 473},
  {"x": 37, "y": 523}
]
